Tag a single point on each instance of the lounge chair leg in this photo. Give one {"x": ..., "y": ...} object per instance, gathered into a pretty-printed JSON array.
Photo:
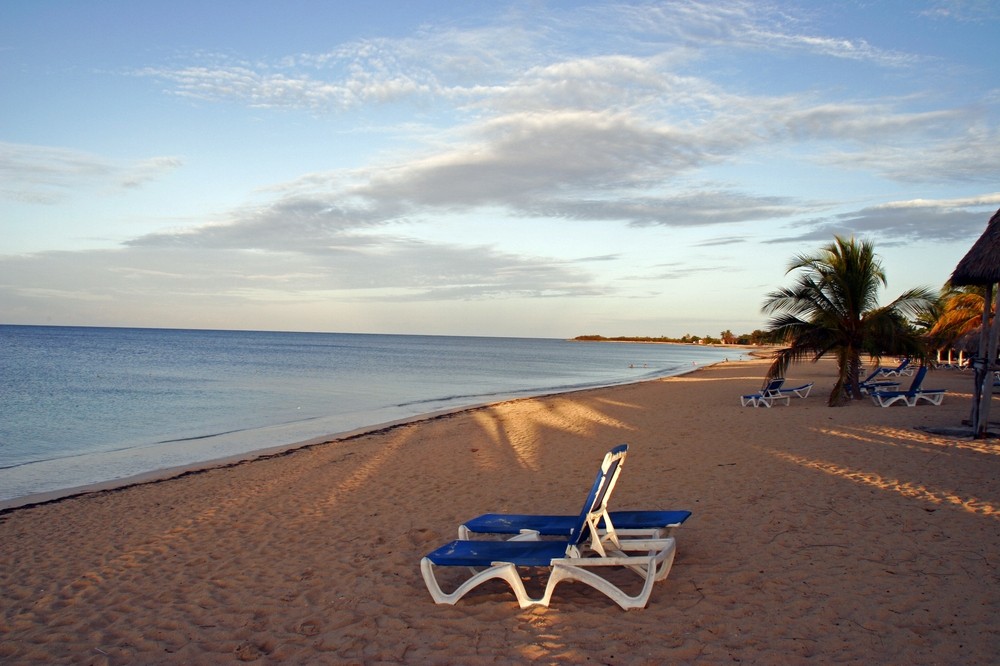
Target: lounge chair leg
[
  {"x": 655, "y": 568},
  {"x": 563, "y": 572},
  {"x": 507, "y": 572}
]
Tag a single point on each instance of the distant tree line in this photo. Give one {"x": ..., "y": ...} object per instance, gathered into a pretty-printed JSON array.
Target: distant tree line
[{"x": 727, "y": 337}]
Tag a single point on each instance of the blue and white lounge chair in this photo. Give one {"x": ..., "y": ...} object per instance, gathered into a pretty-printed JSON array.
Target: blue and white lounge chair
[
  {"x": 626, "y": 524},
  {"x": 902, "y": 369},
  {"x": 910, "y": 396},
  {"x": 767, "y": 395},
  {"x": 570, "y": 558},
  {"x": 649, "y": 524},
  {"x": 870, "y": 384},
  {"x": 799, "y": 391}
]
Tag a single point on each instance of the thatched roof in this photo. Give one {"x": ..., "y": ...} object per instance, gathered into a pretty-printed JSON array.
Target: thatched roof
[
  {"x": 981, "y": 265},
  {"x": 968, "y": 343}
]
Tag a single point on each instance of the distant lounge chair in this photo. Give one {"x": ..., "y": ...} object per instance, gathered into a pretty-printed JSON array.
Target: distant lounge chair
[
  {"x": 902, "y": 369},
  {"x": 569, "y": 558},
  {"x": 911, "y": 396},
  {"x": 649, "y": 524},
  {"x": 800, "y": 391},
  {"x": 868, "y": 384},
  {"x": 768, "y": 394}
]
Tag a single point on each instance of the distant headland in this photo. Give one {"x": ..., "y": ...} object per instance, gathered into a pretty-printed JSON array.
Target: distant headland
[{"x": 756, "y": 338}]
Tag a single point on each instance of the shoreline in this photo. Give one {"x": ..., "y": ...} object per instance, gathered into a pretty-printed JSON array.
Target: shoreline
[
  {"x": 873, "y": 540},
  {"x": 177, "y": 471}
]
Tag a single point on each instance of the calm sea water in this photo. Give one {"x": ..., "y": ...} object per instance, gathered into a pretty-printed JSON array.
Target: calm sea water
[{"x": 85, "y": 405}]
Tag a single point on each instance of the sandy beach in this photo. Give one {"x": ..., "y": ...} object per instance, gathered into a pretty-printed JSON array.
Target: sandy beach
[{"x": 839, "y": 535}]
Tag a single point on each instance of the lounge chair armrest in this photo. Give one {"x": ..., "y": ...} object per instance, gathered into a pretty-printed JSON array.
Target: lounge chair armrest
[{"x": 527, "y": 535}]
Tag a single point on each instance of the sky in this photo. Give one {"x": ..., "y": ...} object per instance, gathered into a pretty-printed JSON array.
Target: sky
[{"x": 529, "y": 169}]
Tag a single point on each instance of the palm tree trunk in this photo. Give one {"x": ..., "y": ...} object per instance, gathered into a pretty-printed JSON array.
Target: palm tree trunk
[{"x": 855, "y": 376}]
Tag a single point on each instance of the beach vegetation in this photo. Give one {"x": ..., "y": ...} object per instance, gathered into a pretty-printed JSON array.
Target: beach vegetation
[
  {"x": 756, "y": 338},
  {"x": 957, "y": 315},
  {"x": 833, "y": 309}
]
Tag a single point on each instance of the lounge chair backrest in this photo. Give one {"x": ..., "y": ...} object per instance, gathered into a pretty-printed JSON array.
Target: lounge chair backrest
[
  {"x": 918, "y": 379},
  {"x": 618, "y": 459},
  {"x": 875, "y": 373},
  {"x": 597, "y": 499},
  {"x": 772, "y": 385}
]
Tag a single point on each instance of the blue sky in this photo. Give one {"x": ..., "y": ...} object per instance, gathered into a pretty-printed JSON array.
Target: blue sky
[{"x": 511, "y": 168}]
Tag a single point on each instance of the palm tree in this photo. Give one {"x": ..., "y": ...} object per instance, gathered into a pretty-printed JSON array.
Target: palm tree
[
  {"x": 833, "y": 309},
  {"x": 960, "y": 313}
]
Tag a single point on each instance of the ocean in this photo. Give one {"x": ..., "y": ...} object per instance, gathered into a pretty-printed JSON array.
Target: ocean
[{"x": 80, "y": 405}]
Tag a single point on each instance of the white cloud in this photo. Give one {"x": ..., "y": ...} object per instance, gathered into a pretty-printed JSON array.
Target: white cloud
[
  {"x": 276, "y": 90},
  {"x": 904, "y": 222},
  {"x": 580, "y": 164},
  {"x": 690, "y": 209},
  {"x": 961, "y": 152},
  {"x": 964, "y": 11},
  {"x": 387, "y": 269},
  {"x": 138, "y": 174},
  {"x": 502, "y": 60},
  {"x": 751, "y": 26},
  {"x": 514, "y": 158},
  {"x": 947, "y": 204},
  {"x": 296, "y": 223},
  {"x": 43, "y": 174}
]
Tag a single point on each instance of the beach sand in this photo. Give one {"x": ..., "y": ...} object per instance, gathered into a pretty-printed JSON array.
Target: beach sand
[{"x": 834, "y": 535}]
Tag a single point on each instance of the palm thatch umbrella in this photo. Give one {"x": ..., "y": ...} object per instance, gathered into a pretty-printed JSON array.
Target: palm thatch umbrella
[
  {"x": 981, "y": 266},
  {"x": 970, "y": 343}
]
